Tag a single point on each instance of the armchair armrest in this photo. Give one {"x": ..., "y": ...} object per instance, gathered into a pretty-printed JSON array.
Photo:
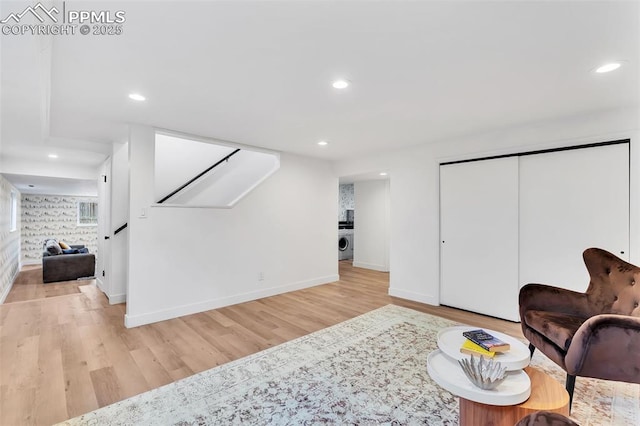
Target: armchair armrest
[
  {"x": 542, "y": 297},
  {"x": 606, "y": 346}
]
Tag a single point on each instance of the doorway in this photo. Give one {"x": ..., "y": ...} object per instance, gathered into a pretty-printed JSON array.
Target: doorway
[
  {"x": 346, "y": 222},
  {"x": 364, "y": 223}
]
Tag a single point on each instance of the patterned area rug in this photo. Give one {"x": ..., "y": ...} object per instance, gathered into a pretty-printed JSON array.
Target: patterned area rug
[{"x": 368, "y": 370}]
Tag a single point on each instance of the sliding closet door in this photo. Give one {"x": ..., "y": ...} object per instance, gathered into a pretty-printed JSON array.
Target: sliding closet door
[
  {"x": 479, "y": 236},
  {"x": 569, "y": 201}
]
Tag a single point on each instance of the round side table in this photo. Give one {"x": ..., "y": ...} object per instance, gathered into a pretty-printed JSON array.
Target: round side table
[
  {"x": 523, "y": 392},
  {"x": 546, "y": 394}
]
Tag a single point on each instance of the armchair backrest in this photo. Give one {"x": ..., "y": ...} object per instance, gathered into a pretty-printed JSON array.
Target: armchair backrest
[{"x": 615, "y": 284}]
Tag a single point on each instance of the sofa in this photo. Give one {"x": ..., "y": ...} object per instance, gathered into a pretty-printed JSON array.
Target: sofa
[{"x": 62, "y": 262}]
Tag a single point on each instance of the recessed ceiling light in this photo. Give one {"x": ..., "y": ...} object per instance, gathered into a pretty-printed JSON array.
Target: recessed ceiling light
[
  {"x": 383, "y": 173},
  {"x": 53, "y": 156},
  {"x": 323, "y": 143},
  {"x": 137, "y": 97},
  {"x": 340, "y": 84},
  {"x": 612, "y": 66}
]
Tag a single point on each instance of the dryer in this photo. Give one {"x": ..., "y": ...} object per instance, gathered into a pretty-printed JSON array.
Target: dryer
[{"x": 345, "y": 244}]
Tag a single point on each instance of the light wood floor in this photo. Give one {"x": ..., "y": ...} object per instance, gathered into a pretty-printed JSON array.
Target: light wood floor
[
  {"x": 29, "y": 286},
  {"x": 67, "y": 355}
]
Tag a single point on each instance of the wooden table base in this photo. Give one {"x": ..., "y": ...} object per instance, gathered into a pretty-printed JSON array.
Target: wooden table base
[{"x": 546, "y": 394}]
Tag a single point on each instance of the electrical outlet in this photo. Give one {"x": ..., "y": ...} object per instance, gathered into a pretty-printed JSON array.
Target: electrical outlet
[{"x": 260, "y": 276}]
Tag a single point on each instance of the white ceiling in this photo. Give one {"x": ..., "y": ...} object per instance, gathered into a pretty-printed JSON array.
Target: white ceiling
[
  {"x": 53, "y": 186},
  {"x": 260, "y": 73}
]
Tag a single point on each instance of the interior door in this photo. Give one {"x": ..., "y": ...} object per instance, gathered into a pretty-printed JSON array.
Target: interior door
[
  {"x": 103, "y": 259},
  {"x": 569, "y": 201},
  {"x": 479, "y": 236}
]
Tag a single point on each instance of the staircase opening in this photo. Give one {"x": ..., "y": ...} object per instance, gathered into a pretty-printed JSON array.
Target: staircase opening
[{"x": 200, "y": 173}]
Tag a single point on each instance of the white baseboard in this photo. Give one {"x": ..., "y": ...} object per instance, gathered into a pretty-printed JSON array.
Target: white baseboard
[
  {"x": 6, "y": 291},
  {"x": 116, "y": 299},
  {"x": 100, "y": 285},
  {"x": 373, "y": 266},
  {"x": 151, "y": 317},
  {"x": 416, "y": 297}
]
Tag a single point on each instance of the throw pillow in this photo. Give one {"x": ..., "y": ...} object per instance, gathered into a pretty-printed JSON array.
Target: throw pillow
[
  {"x": 53, "y": 247},
  {"x": 64, "y": 246}
]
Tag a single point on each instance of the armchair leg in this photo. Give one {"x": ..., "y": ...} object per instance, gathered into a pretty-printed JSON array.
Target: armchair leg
[
  {"x": 570, "y": 384},
  {"x": 531, "y": 350}
]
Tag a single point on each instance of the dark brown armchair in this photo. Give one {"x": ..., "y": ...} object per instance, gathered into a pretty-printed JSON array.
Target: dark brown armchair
[
  {"x": 546, "y": 418},
  {"x": 591, "y": 334}
]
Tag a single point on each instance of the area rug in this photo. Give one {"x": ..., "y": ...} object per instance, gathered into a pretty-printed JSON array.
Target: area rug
[{"x": 369, "y": 370}]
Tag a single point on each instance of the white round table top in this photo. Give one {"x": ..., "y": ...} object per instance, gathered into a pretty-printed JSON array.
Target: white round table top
[
  {"x": 447, "y": 373},
  {"x": 451, "y": 339}
]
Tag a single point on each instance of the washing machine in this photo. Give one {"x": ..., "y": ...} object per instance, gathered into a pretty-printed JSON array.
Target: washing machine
[{"x": 345, "y": 244}]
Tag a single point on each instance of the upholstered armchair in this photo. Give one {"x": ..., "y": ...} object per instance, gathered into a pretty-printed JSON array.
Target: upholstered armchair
[{"x": 592, "y": 334}]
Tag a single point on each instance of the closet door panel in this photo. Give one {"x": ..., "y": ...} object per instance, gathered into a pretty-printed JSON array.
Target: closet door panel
[
  {"x": 479, "y": 236},
  {"x": 569, "y": 201}
]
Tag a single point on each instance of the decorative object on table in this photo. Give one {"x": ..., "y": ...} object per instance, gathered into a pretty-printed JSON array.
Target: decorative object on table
[
  {"x": 591, "y": 334},
  {"x": 486, "y": 340},
  {"x": 485, "y": 374},
  {"x": 470, "y": 348}
]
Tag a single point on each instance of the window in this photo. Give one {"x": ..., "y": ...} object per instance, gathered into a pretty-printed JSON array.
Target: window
[
  {"x": 87, "y": 213},
  {"x": 13, "y": 224}
]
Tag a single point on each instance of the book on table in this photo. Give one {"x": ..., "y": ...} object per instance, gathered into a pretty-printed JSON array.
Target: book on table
[
  {"x": 486, "y": 340},
  {"x": 470, "y": 348}
]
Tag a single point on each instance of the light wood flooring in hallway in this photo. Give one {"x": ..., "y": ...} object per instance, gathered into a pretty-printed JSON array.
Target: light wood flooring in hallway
[{"x": 65, "y": 355}]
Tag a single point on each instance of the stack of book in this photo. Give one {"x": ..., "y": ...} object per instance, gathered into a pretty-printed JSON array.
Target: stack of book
[{"x": 479, "y": 342}]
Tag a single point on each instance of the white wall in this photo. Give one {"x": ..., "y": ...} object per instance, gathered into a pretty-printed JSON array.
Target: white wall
[
  {"x": 414, "y": 253},
  {"x": 187, "y": 260},
  {"x": 371, "y": 231},
  {"x": 9, "y": 240}
]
